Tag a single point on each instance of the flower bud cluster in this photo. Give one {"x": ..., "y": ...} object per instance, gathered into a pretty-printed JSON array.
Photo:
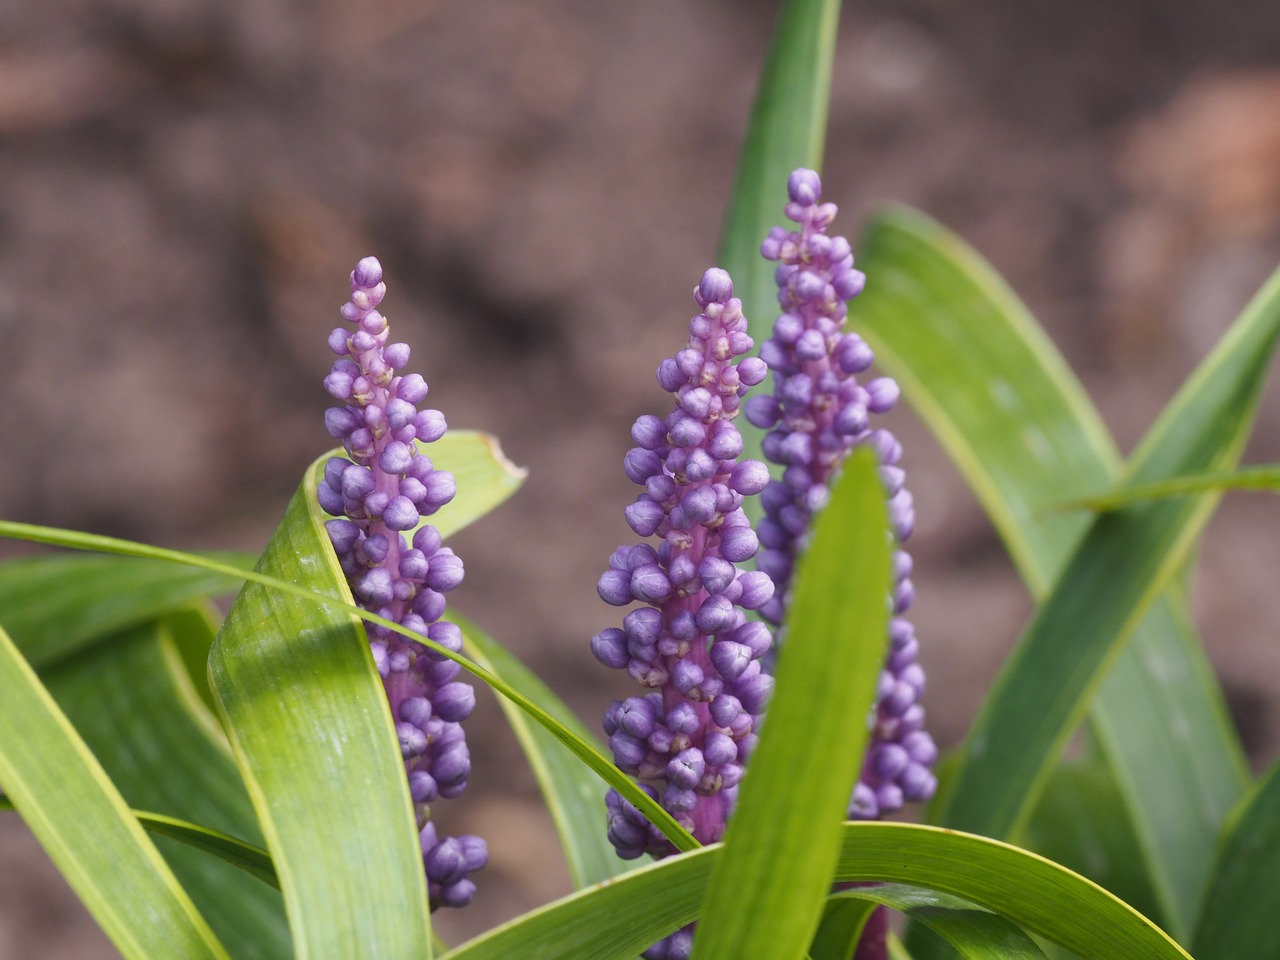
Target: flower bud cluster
[
  {"x": 818, "y": 412},
  {"x": 690, "y": 645},
  {"x": 381, "y": 494}
]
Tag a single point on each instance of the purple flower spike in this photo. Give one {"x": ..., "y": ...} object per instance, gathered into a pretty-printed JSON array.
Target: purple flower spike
[
  {"x": 690, "y": 646},
  {"x": 381, "y": 494},
  {"x": 819, "y": 412}
]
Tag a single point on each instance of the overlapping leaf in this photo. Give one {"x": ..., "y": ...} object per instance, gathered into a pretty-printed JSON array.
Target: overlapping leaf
[
  {"x": 132, "y": 701},
  {"x": 84, "y": 825},
  {"x": 1036, "y": 894},
  {"x": 766, "y": 895},
  {"x": 1003, "y": 403},
  {"x": 787, "y": 130}
]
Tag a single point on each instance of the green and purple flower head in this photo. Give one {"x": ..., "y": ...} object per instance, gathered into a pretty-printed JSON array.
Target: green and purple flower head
[{"x": 396, "y": 565}]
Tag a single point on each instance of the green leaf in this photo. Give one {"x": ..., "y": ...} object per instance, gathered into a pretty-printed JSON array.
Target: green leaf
[
  {"x": 1075, "y": 824},
  {"x": 843, "y": 920},
  {"x": 787, "y": 130},
  {"x": 810, "y": 751},
  {"x": 82, "y": 822},
  {"x": 1246, "y": 478},
  {"x": 976, "y": 934},
  {"x": 305, "y": 712},
  {"x": 132, "y": 700},
  {"x": 584, "y": 750},
  {"x": 1002, "y": 402},
  {"x": 486, "y": 478},
  {"x": 1125, "y": 559},
  {"x": 252, "y": 860},
  {"x": 54, "y": 606},
  {"x": 573, "y": 793},
  {"x": 1239, "y": 917},
  {"x": 1036, "y": 894}
]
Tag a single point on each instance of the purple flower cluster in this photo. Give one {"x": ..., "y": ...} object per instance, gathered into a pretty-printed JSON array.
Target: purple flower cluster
[
  {"x": 818, "y": 413},
  {"x": 690, "y": 644},
  {"x": 381, "y": 493}
]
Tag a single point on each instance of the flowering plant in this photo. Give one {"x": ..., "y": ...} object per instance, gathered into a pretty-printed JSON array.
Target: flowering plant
[{"x": 289, "y": 759}]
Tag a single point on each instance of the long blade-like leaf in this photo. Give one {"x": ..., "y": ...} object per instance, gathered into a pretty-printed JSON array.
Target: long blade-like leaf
[
  {"x": 1000, "y": 399},
  {"x": 304, "y": 709},
  {"x": 587, "y": 752},
  {"x": 1246, "y": 478},
  {"x": 1239, "y": 917},
  {"x": 251, "y": 859},
  {"x": 132, "y": 701},
  {"x": 766, "y": 894},
  {"x": 83, "y": 823},
  {"x": 975, "y": 934},
  {"x": 573, "y": 792},
  {"x": 1125, "y": 559},
  {"x": 787, "y": 130},
  {"x": 54, "y": 606},
  {"x": 1036, "y": 894}
]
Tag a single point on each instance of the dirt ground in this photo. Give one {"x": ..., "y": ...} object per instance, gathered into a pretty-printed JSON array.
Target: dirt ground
[{"x": 186, "y": 184}]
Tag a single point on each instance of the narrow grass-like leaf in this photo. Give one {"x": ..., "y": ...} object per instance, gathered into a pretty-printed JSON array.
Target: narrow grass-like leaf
[
  {"x": 1003, "y": 403},
  {"x": 252, "y": 860},
  {"x": 787, "y": 130},
  {"x": 976, "y": 934},
  {"x": 573, "y": 793},
  {"x": 304, "y": 709},
  {"x": 587, "y": 752},
  {"x": 1246, "y": 478},
  {"x": 1125, "y": 559},
  {"x": 84, "y": 825},
  {"x": 1239, "y": 917},
  {"x": 132, "y": 700},
  {"x": 1036, "y": 894},
  {"x": 766, "y": 894},
  {"x": 54, "y": 606}
]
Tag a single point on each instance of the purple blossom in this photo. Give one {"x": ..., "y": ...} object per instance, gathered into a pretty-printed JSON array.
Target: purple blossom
[
  {"x": 397, "y": 567},
  {"x": 819, "y": 411},
  {"x": 690, "y": 644}
]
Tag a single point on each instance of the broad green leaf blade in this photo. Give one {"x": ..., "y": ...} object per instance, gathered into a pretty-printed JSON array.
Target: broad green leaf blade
[
  {"x": 787, "y": 130},
  {"x": 573, "y": 793},
  {"x": 54, "y": 606},
  {"x": 1239, "y": 917},
  {"x": 975, "y": 934},
  {"x": 82, "y": 822},
  {"x": 1246, "y": 478},
  {"x": 132, "y": 700},
  {"x": 1125, "y": 559},
  {"x": 306, "y": 715},
  {"x": 252, "y": 860},
  {"x": 584, "y": 750},
  {"x": 810, "y": 751},
  {"x": 1036, "y": 894},
  {"x": 1002, "y": 402}
]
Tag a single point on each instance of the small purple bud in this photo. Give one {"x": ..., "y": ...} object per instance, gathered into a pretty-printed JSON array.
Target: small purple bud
[
  {"x": 716, "y": 287},
  {"x": 610, "y": 646}
]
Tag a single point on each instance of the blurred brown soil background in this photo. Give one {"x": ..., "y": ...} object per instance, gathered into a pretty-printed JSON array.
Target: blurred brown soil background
[{"x": 187, "y": 183}]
